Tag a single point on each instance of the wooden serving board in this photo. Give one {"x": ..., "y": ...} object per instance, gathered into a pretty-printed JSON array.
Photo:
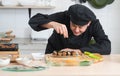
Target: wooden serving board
[
  {"x": 14, "y": 54},
  {"x": 70, "y": 60}
]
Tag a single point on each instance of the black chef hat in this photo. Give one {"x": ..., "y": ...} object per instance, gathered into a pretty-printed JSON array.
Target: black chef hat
[{"x": 80, "y": 14}]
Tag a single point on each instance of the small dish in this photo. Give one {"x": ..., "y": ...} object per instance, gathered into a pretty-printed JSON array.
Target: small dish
[
  {"x": 9, "y": 2},
  {"x": 37, "y": 56},
  {"x": 27, "y": 2},
  {"x": 4, "y": 60}
]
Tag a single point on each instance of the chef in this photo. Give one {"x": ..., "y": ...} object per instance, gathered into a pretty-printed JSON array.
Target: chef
[{"x": 73, "y": 30}]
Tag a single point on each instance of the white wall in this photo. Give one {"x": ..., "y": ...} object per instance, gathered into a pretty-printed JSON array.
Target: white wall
[
  {"x": 60, "y": 5},
  {"x": 109, "y": 18},
  {"x": 17, "y": 20}
]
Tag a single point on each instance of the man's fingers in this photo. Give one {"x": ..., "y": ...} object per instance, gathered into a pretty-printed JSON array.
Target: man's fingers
[
  {"x": 61, "y": 30},
  {"x": 57, "y": 30},
  {"x": 65, "y": 32}
]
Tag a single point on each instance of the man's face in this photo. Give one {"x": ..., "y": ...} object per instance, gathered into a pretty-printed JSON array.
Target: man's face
[{"x": 77, "y": 29}]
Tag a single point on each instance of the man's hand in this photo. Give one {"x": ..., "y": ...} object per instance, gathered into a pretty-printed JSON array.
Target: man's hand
[{"x": 60, "y": 28}]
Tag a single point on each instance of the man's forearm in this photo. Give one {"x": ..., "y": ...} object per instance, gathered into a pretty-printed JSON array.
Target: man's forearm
[{"x": 48, "y": 25}]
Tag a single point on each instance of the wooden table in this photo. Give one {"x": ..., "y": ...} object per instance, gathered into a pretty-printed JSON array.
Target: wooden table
[{"x": 109, "y": 67}]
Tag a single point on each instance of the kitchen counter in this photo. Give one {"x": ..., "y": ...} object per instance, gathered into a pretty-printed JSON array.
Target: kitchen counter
[{"x": 109, "y": 67}]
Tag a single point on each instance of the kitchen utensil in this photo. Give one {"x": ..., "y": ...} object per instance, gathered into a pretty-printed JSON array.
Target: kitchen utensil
[
  {"x": 98, "y": 3},
  {"x": 110, "y": 1}
]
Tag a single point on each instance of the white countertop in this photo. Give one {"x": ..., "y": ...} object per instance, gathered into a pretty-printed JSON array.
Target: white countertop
[{"x": 109, "y": 67}]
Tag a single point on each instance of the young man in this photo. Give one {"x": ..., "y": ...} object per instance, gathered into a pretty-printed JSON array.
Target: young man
[{"x": 74, "y": 29}]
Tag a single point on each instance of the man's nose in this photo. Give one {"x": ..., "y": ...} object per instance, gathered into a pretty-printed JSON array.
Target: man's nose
[{"x": 77, "y": 29}]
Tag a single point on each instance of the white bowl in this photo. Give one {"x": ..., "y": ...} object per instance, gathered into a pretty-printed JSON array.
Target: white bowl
[
  {"x": 23, "y": 60},
  {"x": 4, "y": 61},
  {"x": 38, "y": 56},
  {"x": 27, "y": 2},
  {"x": 9, "y": 2}
]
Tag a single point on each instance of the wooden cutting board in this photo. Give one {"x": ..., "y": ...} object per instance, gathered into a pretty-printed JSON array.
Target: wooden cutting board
[
  {"x": 70, "y": 60},
  {"x": 14, "y": 54}
]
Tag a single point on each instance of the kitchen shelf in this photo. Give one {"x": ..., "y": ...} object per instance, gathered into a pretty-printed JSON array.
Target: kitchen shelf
[
  {"x": 28, "y": 7},
  {"x": 42, "y": 7}
]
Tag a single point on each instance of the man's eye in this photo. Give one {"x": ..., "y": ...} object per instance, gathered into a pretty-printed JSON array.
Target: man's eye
[
  {"x": 74, "y": 26},
  {"x": 80, "y": 27}
]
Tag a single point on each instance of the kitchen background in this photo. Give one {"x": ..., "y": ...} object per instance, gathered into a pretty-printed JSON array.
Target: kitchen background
[{"x": 16, "y": 19}]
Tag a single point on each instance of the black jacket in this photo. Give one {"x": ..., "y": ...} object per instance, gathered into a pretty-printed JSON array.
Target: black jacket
[{"x": 58, "y": 42}]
